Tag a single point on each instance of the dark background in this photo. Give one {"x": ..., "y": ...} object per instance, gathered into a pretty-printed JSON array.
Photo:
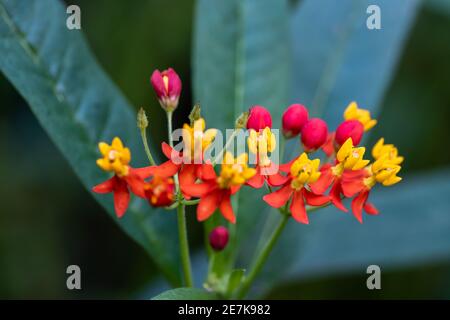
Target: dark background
[{"x": 49, "y": 221}]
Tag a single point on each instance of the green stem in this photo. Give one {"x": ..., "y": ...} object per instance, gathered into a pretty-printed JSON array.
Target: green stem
[
  {"x": 169, "y": 127},
  {"x": 147, "y": 149},
  {"x": 262, "y": 257},
  {"x": 184, "y": 246},
  {"x": 181, "y": 217}
]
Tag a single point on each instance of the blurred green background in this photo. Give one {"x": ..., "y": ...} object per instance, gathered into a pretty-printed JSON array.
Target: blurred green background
[{"x": 49, "y": 221}]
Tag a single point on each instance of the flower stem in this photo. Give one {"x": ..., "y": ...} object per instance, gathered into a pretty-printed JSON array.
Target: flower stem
[
  {"x": 169, "y": 127},
  {"x": 184, "y": 246},
  {"x": 262, "y": 257},
  {"x": 147, "y": 149},
  {"x": 181, "y": 217}
]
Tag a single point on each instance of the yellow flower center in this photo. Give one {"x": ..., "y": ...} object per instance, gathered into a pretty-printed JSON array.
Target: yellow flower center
[
  {"x": 380, "y": 149},
  {"x": 197, "y": 140},
  {"x": 304, "y": 170},
  {"x": 261, "y": 143},
  {"x": 350, "y": 158},
  {"x": 115, "y": 157},
  {"x": 354, "y": 113},
  {"x": 234, "y": 172}
]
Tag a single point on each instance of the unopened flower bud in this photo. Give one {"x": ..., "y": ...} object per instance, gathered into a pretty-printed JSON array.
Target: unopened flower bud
[
  {"x": 142, "y": 121},
  {"x": 241, "y": 121},
  {"x": 294, "y": 118},
  {"x": 259, "y": 118},
  {"x": 167, "y": 85},
  {"x": 314, "y": 134},
  {"x": 195, "y": 114},
  {"x": 349, "y": 129},
  {"x": 218, "y": 238}
]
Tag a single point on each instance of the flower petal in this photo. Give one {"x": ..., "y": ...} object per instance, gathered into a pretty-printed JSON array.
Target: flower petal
[
  {"x": 121, "y": 198},
  {"x": 226, "y": 208},
  {"x": 335, "y": 195},
  {"x": 208, "y": 204},
  {"x": 136, "y": 184},
  {"x": 298, "y": 209},
  {"x": 257, "y": 181},
  {"x": 358, "y": 204},
  {"x": 276, "y": 180},
  {"x": 370, "y": 209},
  {"x": 143, "y": 173},
  {"x": 325, "y": 180},
  {"x": 315, "y": 199},
  {"x": 207, "y": 172},
  {"x": 166, "y": 169},
  {"x": 279, "y": 198},
  {"x": 106, "y": 186}
]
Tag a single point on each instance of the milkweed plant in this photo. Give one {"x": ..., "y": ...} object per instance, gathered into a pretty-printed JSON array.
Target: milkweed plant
[{"x": 202, "y": 171}]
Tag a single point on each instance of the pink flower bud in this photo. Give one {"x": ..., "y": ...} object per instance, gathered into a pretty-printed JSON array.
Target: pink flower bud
[
  {"x": 218, "y": 238},
  {"x": 167, "y": 85},
  {"x": 349, "y": 129},
  {"x": 314, "y": 134},
  {"x": 259, "y": 118},
  {"x": 294, "y": 118}
]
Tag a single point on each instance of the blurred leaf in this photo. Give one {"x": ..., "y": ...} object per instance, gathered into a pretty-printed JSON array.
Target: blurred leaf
[
  {"x": 441, "y": 6},
  {"x": 76, "y": 103},
  {"x": 240, "y": 58},
  {"x": 337, "y": 60},
  {"x": 185, "y": 294},
  {"x": 412, "y": 228},
  {"x": 235, "y": 280}
]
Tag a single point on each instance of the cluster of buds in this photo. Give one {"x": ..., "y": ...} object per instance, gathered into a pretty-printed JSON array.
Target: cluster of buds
[{"x": 295, "y": 187}]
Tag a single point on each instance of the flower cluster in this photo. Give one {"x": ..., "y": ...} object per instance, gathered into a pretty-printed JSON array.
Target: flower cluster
[{"x": 295, "y": 187}]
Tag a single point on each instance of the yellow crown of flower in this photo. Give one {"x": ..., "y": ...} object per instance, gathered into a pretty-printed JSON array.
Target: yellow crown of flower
[
  {"x": 383, "y": 171},
  {"x": 381, "y": 149},
  {"x": 234, "y": 172},
  {"x": 262, "y": 143},
  {"x": 115, "y": 157},
  {"x": 195, "y": 136},
  {"x": 350, "y": 158},
  {"x": 304, "y": 170},
  {"x": 354, "y": 113}
]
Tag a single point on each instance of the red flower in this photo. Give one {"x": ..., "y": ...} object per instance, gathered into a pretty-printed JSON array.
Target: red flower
[
  {"x": 314, "y": 134},
  {"x": 167, "y": 85},
  {"x": 218, "y": 238},
  {"x": 265, "y": 174},
  {"x": 302, "y": 172},
  {"x": 259, "y": 118},
  {"x": 215, "y": 192},
  {"x": 120, "y": 186},
  {"x": 349, "y": 129},
  {"x": 293, "y": 120},
  {"x": 360, "y": 202},
  {"x": 160, "y": 192}
]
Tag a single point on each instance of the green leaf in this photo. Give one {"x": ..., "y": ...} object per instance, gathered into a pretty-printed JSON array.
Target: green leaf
[
  {"x": 78, "y": 105},
  {"x": 241, "y": 57},
  {"x": 186, "y": 294},
  {"x": 235, "y": 280}
]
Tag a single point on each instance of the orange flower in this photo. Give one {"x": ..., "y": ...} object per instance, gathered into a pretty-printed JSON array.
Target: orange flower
[
  {"x": 261, "y": 143},
  {"x": 216, "y": 191},
  {"x": 303, "y": 171},
  {"x": 160, "y": 192},
  {"x": 116, "y": 159}
]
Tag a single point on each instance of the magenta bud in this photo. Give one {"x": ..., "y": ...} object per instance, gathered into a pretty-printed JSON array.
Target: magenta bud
[
  {"x": 259, "y": 118},
  {"x": 167, "y": 86},
  {"x": 349, "y": 129},
  {"x": 314, "y": 134},
  {"x": 294, "y": 118},
  {"x": 218, "y": 238}
]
